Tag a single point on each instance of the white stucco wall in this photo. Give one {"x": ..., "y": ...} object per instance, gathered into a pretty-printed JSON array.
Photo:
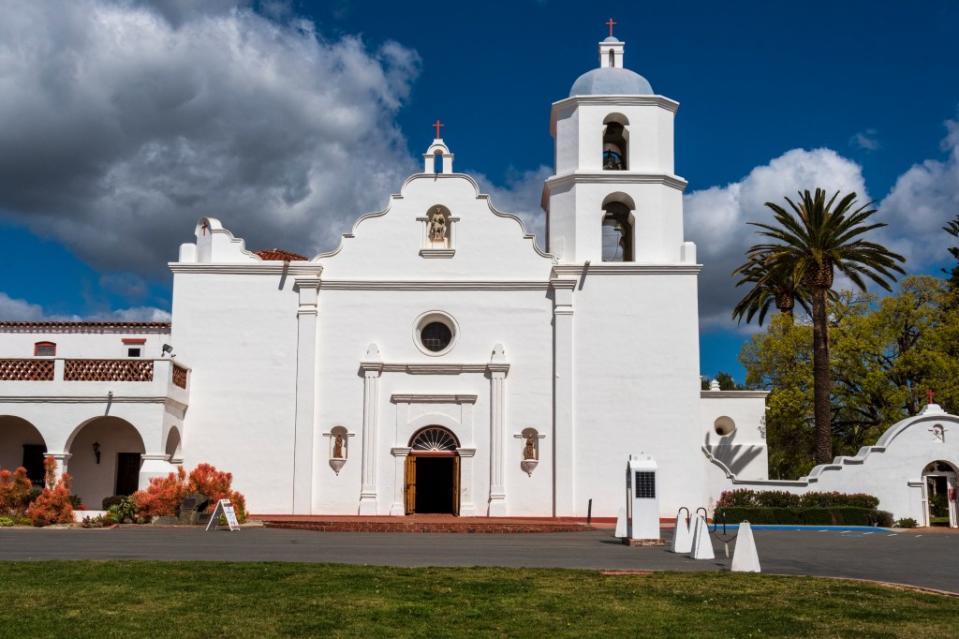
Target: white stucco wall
[
  {"x": 82, "y": 341},
  {"x": 745, "y": 451},
  {"x": 890, "y": 470}
]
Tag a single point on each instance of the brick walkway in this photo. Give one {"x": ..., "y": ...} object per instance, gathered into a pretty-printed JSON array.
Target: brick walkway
[{"x": 422, "y": 524}]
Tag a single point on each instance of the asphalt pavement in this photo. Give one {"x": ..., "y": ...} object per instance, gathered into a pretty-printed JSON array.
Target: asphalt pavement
[{"x": 930, "y": 560}]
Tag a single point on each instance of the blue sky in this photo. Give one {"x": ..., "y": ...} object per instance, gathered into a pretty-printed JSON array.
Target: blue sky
[{"x": 873, "y": 82}]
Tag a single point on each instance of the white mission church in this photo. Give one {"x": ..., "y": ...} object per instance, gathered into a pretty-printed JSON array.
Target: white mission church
[{"x": 438, "y": 360}]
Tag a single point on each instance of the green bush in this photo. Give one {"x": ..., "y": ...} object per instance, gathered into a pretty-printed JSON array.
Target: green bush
[
  {"x": 123, "y": 512},
  {"x": 907, "y": 522},
  {"x": 745, "y": 498},
  {"x": 776, "y": 499},
  {"x": 828, "y": 500},
  {"x": 7, "y": 521},
  {"x": 837, "y": 516},
  {"x": 113, "y": 500}
]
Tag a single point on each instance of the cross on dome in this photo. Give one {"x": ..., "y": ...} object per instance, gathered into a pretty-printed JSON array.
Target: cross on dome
[
  {"x": 611, "y": 23},
  {"x": 438, "y": 125}
]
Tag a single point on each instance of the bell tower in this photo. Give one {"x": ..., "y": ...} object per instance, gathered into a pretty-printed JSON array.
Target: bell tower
[{"x": 614, "y": 196}]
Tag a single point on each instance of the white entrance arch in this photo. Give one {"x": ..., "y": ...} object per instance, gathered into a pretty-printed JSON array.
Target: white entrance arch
[{"x": 939, "y": 494}]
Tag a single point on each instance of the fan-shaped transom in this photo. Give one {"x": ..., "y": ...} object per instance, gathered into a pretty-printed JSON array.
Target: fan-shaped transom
[{"x": 434, "y": 439}]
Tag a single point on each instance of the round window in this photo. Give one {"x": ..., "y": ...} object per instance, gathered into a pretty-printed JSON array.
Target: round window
[
  {"x": 434, "y": 333},
  {"x": 436, "y": 336}
]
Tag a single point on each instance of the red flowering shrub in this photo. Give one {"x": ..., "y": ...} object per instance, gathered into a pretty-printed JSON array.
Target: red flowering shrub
[
  {"x": 216, "y": 485},
  {"x": 14, "y": 492},
  {"x": 53, "y": 505},
  {"x": 163, "y": 496}
]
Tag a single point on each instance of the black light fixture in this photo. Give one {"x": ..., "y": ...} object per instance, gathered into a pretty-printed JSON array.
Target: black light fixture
[
  {"x": 167, "y": 350},
  {"x": 96, "y": 451}
]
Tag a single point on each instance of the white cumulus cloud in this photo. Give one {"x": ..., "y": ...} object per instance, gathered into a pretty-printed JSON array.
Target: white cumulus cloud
[
  {"x": 920, "y": 203},
  {"x": 125, "y": 122},
  {"x": 716, "y": 218}
]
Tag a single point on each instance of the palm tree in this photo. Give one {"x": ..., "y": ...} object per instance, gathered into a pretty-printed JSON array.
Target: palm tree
[
  {"x": 952, "y": 228},
  {"x": 810, "y": 243},
  {"x": 771, "y": 286}
]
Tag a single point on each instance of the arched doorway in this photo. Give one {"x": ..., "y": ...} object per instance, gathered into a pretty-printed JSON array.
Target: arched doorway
[
  {"x": 105, "y": 459},
  {"x": 21, "y": 444},
  {"x": 433, "y": 472},
  {"x": 939, "y": 494}
]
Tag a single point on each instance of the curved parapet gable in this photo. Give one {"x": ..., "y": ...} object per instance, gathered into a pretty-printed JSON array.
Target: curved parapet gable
[
  {"x": 215, "y": 244},
  {"x": 396, "y": 242},
  {"x": 891, "y": 470}
]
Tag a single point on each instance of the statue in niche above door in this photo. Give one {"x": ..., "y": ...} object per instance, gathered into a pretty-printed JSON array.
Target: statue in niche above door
[{"x": 438, "y": 227}]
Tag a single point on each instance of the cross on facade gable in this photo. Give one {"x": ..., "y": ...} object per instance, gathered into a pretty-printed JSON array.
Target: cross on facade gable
[
  {"x": 438, "y": 125},
  {"x": 611, "y": 23},
  {"x": 930, "y": 395}
]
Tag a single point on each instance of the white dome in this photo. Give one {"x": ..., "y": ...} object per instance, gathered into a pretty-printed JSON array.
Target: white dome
[{"x": 611, "y": 81}]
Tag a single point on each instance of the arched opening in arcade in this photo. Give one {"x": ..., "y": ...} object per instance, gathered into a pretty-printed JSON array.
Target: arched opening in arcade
[
  {"x": 21, "y": 444},
  {"x": 939, "y": 494},
  {"x": 433, "y": 472},
  {"x": 105, "y": 458},
  {"x": 174, "y": 446}
]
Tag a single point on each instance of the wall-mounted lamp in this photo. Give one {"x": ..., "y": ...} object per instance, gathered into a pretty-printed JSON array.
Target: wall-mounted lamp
[
  {"x": 96, "y": 451},
  {"x": 167, "y": 350}
]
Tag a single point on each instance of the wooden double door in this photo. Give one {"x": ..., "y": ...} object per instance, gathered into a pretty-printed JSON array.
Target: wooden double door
[{"x": 433, "y": 483}]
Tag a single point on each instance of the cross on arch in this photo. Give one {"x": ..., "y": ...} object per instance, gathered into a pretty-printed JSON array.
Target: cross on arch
[
  {"x": 611, "y": 23},
  {"x": 438, "y": 125},
  {"x": 930, "y": 395}
]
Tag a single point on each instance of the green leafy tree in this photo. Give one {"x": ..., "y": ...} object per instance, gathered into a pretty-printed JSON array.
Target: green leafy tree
[
  {"x": 811, "y": 241},
  {"x": 886, "y": 354},
  {"x": 952, "y": 228},
  {"x": 780, "y": 360}
]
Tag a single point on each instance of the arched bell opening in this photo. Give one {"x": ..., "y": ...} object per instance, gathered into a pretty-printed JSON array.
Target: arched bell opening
[
  {"x": 618, "y": 235},
  {"x": 433, "y": 472},
  {"x": 615, "y": 142}
]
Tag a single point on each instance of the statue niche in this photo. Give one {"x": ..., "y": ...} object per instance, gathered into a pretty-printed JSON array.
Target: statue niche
[{"x": 438, "y": 227}]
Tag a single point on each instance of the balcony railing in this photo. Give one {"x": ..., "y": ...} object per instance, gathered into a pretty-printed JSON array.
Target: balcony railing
[
  {"x": 28, "y": 370},
  {"x": 179, "y": 376},
  {"x": 93, "y": 370},
  {"x": 108, "y": 370}
]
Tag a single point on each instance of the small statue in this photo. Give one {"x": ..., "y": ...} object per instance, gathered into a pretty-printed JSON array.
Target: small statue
[
  {"x": 338, "y": 447},
  {"x": 529, "y": 450},
  {"x": 437, "y": 226}
]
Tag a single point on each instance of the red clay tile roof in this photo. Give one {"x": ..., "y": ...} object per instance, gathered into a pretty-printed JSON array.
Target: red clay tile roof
[
  {"x": 126, "y": 327},
  {"x": 280, "y": 254}
]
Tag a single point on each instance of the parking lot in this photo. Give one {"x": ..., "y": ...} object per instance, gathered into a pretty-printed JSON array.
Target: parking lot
[{"x": 915, "y": 558}]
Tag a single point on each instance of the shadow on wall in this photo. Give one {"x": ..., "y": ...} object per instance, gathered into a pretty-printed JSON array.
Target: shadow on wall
[{"x": 735, "y": 456}]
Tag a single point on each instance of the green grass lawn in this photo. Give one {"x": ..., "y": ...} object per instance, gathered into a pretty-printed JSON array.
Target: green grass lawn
[{"x": 181, "y": 599}]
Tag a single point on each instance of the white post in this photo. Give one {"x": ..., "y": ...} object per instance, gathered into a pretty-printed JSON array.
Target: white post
[
  {"x": 62, "y": 459},
  {"x": 308, "y": 289},
  {"x": 497, "y": 371},
  {"x": 398, "y": 508},
  {"x": 154, "y": 465},
  {"x": 467, "y": 507},
  {"x": 372, "y": 369},
  {"x": 564, "y": 431}
]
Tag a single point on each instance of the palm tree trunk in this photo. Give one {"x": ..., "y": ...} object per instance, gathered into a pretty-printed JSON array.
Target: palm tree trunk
[{"x": 821, "y": 379}]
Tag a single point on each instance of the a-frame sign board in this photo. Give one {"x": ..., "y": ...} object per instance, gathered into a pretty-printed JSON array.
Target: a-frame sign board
[{"x": 224, "y": 508}]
